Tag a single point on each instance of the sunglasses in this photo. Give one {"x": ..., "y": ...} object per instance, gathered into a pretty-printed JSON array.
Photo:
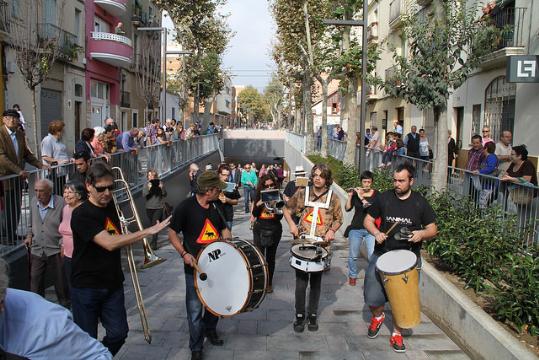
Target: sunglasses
[
  {"x": 269, "y": 185},
  {"x": 101, "y": 189}
]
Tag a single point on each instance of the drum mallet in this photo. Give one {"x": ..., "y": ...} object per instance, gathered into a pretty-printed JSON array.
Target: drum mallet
[
  {"x": 391, "y": 228},
  {"x": 202, "y": 275}
]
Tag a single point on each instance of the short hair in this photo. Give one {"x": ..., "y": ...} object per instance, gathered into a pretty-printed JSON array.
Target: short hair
[
  {"x": 109, "y": 128},
  {"x": 98, "y": 170},
  {"x": 47, "y": 182},
  {"x": 491, "y": 147},
  {"x": 504, "y": 131},
  {"x": 366, "y": 175},
  {"x": 56, "y": 126},
  {"x": 87, "y": 134},
  {"x": 375, "y": 128},
  {"x": 78, "y": 188},
  {"x": 152, "y": 171},
  {"x": 521, "y": 151},
  {"x": 223, "y": 167},
  {"x": 477, "y": 137},
  {"x": 325, "y": 173},
  {"x": 4, "y": 278},
  {"x": 16, "y": 106},
  {"x": 408, "y": 167},
  {"x": 82, "y": 155}
]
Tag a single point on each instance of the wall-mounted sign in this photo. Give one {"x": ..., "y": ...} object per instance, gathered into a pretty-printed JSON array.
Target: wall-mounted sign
[{"x": 523, "y": 69}]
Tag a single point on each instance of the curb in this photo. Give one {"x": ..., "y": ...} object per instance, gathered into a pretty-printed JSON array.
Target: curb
[{"x": 466, "y": 322}]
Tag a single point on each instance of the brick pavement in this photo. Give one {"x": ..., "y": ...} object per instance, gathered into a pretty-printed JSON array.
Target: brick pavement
[{"x": 266, "y": 333}]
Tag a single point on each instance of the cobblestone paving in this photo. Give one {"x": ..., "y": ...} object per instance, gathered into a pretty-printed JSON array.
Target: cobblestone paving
[{"x": 266, "y": 333}]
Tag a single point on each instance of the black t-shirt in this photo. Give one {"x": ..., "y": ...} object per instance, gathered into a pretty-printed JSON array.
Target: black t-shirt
[
  {"x": 227, "y": 208},
  {"x": 414, "y": 213},
  {"x": 198, "y": 226},
  {"x": 360, "y": 211},
  {"x": 526, "y": 169},
  {"x": 94, "y": 266},
  {"x": 266, "y": 219}
]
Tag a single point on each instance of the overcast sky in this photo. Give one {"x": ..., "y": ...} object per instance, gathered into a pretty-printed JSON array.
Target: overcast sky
[{"x": 248, "y": 57}]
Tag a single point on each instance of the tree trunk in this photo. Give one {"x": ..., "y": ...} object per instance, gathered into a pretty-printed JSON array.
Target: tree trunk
[
  {"x": 206, "y": 119},
  {"x": 324, "y": 147},
  {"x": 350, "y": 155},
  {"x": 439, "y": 173},
  {"x": 196, "y": 107},
  {"x": 309, "y": 133},
  {"x": 35, "y": 125},
  {"x": 345, "y": 95}
]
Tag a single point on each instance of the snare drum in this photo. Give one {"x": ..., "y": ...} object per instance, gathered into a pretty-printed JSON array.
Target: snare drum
[
  {"x": 401, "y": 282},
  {"x": 237, "y": 277},
  {"x": 309, "y": 258}
]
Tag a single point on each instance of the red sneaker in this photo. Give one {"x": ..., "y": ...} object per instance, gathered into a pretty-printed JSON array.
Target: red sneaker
[
  {"x": 352, "y": 281},
  {"x": 374, "y": 327},
  {"x": 397, "y": 343}
]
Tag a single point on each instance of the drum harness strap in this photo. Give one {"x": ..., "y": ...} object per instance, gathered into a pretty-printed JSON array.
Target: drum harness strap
[
  {"x": 316, "y": 206},
  {"x": 221, "y": 215}
]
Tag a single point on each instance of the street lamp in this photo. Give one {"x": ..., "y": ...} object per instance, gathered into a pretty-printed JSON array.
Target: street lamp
[
  {"x": 165, "y": 53},
  {"x": 363, "y": 115}
]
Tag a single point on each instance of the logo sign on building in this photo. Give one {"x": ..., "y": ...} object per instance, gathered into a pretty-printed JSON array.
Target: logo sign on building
[{"x": 523, "y": 69}]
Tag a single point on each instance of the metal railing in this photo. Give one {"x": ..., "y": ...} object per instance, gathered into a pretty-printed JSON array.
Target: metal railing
[
  {"x": 5, "y": 17},
  {"x": 394, "y": 11},
  {"x": 515, "y": 199},
  {"x": 16, "y": 192},
  {"x": 511, "y": 21},
  {"x": 96, "y": 35},
  {"x": 126, "y": 99},
  {"x": 66, "y": 41}
]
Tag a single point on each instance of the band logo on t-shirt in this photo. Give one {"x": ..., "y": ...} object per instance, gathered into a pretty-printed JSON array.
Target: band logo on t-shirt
[
  {"x": 399, "y": 220},
  {"x": 266, "y": 215},
  {"x": 111, "y": 228},
  {"x": 309, "y": 217},
  {"x": 208, "y": 234}
]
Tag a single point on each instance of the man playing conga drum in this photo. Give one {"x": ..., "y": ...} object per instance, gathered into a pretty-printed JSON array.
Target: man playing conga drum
[{"x": 407, "y": 221}]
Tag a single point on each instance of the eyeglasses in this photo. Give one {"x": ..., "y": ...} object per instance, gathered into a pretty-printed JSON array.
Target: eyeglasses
[
  {"x": 486, "y": 131},
  {"x": 101, "y": 189}
]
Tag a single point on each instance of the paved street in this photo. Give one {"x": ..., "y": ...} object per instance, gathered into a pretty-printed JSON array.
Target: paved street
[{"x": 267, "y": 333}]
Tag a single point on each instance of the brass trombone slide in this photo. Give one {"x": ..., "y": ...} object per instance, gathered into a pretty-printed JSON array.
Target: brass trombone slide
[{"x": 127, "y": 213}]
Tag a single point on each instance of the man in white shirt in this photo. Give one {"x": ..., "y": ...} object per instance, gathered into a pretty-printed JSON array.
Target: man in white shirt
[
  {"x": 373, "y": 144},
  {"x": 503, "y": 151}
]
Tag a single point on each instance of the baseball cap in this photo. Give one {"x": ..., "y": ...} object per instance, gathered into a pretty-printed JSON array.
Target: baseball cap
[{"x": 209, "y": 179}]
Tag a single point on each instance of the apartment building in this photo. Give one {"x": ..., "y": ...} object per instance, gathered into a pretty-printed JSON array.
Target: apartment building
[{"x": 485, "y": 99}]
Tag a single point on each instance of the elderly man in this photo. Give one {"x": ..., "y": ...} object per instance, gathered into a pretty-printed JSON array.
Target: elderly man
[
  {"x": 192, "y": 175},
  {"x": 126, "y": 141},
  {"x": 45, "y": 240},
  {"x": 34, "y": 328},
  {"x": 503, "y": 150},
  {"x": 14, "y": 153}
]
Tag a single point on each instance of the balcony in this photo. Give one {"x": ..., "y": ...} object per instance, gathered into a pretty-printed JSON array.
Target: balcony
[
  {"x": 66, "y": 42},
  {"x": 391, "y": 74},
  {"x": 4, "y": 17},
  {"x": 371, "y": 93},
  {"x": 372, "y": 32},
  {"x": 510, "y": 21},
  {"x": 395, "y": 12},
  {"x": 116, "y": 8},
  {"x": 113, "y": 49},
  {"x": 126, "y": 100}
]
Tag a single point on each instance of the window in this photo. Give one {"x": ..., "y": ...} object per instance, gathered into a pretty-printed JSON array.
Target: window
[
  {"x": 384, "y": 120},
  {"x": 373, "y": 116},
  {"x": 49, "y": 12},
  {"x": 99, "y": 90},
  {"x": 334, "y": 108},
  {"x": 16, "y": 8},
  {"x": 101, "y": 25},
  {"x": 227, "y": 103},
  {"x": 174, "y": 113},
  {"x": 77, "y": 23},
  {"x": 134, "y": 119},
  {"x": 500, "y": 106},
  {"x": 78, "y": 90},
  {"x": 476, "y": 119}
]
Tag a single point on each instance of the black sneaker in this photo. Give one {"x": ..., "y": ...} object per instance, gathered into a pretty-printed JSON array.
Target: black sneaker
[
  {"x": 313, "y": 323},
  {"x": 214, "y": 338},
  {"x": 196, "y": 355},
  {"x": 299, "y": 324}
]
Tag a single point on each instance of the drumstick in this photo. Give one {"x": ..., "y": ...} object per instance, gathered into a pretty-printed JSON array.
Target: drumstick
[
  {"x": 391, "y": 228},
  {"x": 202, "y": 275}
]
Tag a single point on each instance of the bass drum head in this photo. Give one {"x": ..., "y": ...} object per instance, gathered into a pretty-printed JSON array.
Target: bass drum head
[
  {"x": 308, "y": 252},
  {"x": 396, "y": 261},
  {"x": 226, "y": 290}
]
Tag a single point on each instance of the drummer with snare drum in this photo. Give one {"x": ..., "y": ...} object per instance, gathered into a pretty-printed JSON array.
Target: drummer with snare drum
[
  {"x": 407, "y": 221},
  {"x": 201, "y": 222},
  {"x": 321, "y": 217}
]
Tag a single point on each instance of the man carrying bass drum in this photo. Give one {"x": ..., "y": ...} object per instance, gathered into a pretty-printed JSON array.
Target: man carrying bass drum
[
  {"x": 267, "y": 229},
  {"x": 328, "y": 221},
  {"x": 407, "y": 221},
  {"x": 201, "y": 222}
]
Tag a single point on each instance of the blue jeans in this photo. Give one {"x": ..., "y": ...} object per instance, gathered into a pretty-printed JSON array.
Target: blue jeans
[
  {"x": 91, "y": 305},
  {"x": 356, "y": 237},
  {"x": 200, "y": 321},
  {"x": 247, "y": 192},
  {"x": 229, "y": 224}
]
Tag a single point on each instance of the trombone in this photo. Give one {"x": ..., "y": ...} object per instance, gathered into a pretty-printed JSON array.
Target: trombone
[{"x": 129, "y": 215}]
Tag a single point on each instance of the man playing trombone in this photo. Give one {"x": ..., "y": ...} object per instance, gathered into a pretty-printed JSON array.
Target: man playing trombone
[{"x": 97, "y": 276}]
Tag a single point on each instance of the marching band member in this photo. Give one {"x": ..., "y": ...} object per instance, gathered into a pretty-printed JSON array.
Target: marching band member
[
  {"x": 267, "y": 229},
  {"x": 201, "y": 222},
  {"x": 328, "y": 221},
  {"x": 97, "y": 291},
  {"x": 228, "y": 198},
  {"x": 411, "y": 210}
]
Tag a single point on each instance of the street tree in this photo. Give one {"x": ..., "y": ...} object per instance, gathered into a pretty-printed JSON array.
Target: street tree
[
  {"x": 252, "y": 106},
  {"x": 446, "y": 44},
  {"x": 37, "y": 47},
  {"x": 274, "y": 98}
]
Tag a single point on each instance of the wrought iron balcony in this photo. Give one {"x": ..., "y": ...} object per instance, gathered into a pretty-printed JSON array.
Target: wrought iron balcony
[
  {"x": 66, "y": 41},
  {"x": 4, "y": 17},
  {"x": 126, "y": 99},
  {"x": 511, "y": 21},
  {"x": 395, "y": 12}
]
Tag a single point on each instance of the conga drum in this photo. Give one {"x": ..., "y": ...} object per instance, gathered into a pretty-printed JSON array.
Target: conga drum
[
  {"x": 400, "y": 276},
  {"x": 233, "y": 277}
]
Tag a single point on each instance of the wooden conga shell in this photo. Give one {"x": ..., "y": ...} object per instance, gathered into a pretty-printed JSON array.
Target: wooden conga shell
[{"x": 403, "y": 293}]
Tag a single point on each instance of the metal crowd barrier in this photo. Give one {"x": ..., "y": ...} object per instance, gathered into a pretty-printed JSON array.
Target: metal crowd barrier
[
  {"x": 16, "y": 192},
  {"x": 296, "y": 140},
  {"x": 337, "y": 149}
]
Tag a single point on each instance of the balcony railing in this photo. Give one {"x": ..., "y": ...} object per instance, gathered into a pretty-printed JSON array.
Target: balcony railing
[
  {"x": 126, "y": 99},
  {"x": 96, "y": 35},
  {"x": 65, "y": 40},
  {"x": 4, "y": 16},
  {"x": 391, "y": 73},
  {"x": 511, "y": 21}
]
